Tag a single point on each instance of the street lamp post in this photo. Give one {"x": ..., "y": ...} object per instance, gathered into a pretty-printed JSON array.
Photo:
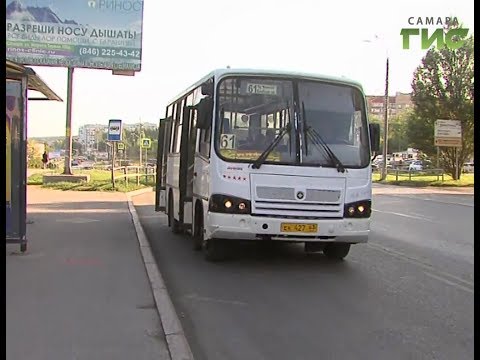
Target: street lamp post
[{"x": 385, "y": 113}]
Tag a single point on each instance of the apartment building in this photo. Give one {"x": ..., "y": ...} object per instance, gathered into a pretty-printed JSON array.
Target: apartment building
[
  {"x": 396, "y": 104},
  {"x": 89, "y": 135},
  {"x": 143, "y": 125}
]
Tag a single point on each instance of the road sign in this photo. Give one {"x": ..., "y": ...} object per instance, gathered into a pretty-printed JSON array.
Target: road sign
[
  {"x": 448, "y": 133},
  {"x": 146, "y": 143},
  {"x": 121, "y": 146},
  {"x": 114, "y": 130}
]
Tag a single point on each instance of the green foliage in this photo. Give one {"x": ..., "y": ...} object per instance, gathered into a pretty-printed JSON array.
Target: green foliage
[
  {"x": 100, "y": 180},
  {"x": 398, "y": 139},
  {"x": 61, "y": 145},
  {"x": 34, "y": 163},
  {"x": 421, "y": 180},
  {"x": 443, "y": 88},
  {"x": 131, "y": 139}
]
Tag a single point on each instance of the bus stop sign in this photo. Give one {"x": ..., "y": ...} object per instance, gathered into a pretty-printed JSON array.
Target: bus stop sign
[{"x": 114, "y": 130}]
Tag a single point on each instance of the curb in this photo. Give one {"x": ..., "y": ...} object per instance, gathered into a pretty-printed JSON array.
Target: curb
[
  {"x": 177, "y": 344},
  {"x": 139, "y": 192}
]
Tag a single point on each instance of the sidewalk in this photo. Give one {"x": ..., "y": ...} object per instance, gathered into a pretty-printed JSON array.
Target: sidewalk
[{"x": 81, "y": 291}]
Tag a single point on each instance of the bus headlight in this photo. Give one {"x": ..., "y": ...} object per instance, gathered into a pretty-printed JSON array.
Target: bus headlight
[
  {"x": 359, "y": 209},
  {"x": 227, "y": 204}
]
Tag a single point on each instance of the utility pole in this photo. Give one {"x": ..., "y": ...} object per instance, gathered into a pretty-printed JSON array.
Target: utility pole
[
  {"x": 140, "y": 140},
  {"x": 385, "y": 125},
  {"x": 385, "y": 120},
  {"x": 68, "y": 128}
]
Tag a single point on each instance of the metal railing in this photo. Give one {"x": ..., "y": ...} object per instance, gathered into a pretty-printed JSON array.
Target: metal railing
[
  {"x": 439, "y": 173},
  {"x": 134, "y": 172}
]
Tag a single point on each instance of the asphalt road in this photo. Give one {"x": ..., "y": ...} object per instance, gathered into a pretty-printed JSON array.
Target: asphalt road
[{"x": 407, "y": 294}]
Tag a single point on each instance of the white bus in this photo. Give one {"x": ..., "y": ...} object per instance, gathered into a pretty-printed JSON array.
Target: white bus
[{"x": 267, "y": 155}]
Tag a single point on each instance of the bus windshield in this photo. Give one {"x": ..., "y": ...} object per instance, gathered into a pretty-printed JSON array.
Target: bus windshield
[{"x": 252, "y": 112}]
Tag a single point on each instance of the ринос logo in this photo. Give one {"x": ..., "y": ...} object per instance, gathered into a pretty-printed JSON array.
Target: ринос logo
[
  {"x": 445, "y": 33},
  {"x": 116, "y": 5}
]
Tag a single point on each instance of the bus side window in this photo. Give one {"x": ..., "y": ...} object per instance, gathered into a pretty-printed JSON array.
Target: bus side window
[
  {"x": 204, "y": 144},
  {"x": 177, "y": 133},
  {"x": 203, "y": 135},
  {"x": 180, "y": 126}
]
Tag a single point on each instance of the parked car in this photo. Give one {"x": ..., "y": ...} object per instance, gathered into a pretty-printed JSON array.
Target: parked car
[
  {"x": 87, "y": 165},
  {"x": 416, "y": 165},
  {"x": 468, "y": 168}
]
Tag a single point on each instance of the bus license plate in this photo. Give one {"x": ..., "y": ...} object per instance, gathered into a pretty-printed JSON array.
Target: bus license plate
[{"x": 298, "y": 227}]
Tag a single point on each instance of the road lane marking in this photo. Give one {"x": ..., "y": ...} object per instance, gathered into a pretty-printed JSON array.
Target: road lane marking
[
  {"x": 416, "y": 216},
  {"x": 448, "y": 282},
  {"x": 429, "y": 270}
]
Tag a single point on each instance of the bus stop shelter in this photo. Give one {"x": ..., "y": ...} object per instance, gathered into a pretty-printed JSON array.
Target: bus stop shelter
[{"x": 21, "y": 82}]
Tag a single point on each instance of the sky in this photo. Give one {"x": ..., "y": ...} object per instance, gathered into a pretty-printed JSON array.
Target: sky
[{"x": 184, "y": 41}]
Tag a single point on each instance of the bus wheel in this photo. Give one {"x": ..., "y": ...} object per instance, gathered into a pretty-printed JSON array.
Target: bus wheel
[
  {"x": 175, "y": 226},
  {"x": 214, "y": 249},
  {"x": 199, "y": 231},
  {"x": 336, "y": 251}
]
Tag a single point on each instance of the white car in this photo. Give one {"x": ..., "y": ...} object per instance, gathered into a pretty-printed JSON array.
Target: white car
[{"x": 415, "y": 166}]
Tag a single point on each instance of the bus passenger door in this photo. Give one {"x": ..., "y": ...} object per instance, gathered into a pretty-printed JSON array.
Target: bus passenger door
[
  {"x": 162, "y": 152},
  {"x": 192, "y": 140},
  {"x": 186, "y": 167}
]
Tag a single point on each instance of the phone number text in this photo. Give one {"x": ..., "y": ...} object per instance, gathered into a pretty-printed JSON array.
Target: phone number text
[{"x": 109, "y": 52}]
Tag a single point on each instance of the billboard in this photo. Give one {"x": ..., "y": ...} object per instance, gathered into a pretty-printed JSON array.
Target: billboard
[{"x": 97, "y": 34}]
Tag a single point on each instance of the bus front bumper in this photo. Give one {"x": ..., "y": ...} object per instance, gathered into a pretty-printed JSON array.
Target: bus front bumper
[{"x": 247, "y": 227}]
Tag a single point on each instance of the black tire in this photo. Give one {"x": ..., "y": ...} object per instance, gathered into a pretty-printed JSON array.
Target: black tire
[
  {"x": 199, "y": 231},
  {"x": 336, "y": 251},
  {"x": 214, "y": 250},
  {"x": 23, "y": 247},
  {"x": 174, "y": 224}
]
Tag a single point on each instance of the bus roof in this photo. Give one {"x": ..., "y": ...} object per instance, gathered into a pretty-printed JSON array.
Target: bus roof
[{"x": 218, "y": 73}]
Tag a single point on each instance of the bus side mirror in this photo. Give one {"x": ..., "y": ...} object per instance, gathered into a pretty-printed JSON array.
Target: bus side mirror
[
  {"x": 374, "y": 137},
  {"x": 207, "y": 88},
  {"x": 204, "y": 113}
]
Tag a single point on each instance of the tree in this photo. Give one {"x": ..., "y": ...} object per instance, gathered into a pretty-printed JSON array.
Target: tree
[
  {"x": 443, "y": 88},
  {"x": 77, "y": 148},
  {"x": 398, "y": 139},
  {"x": 131, "y": 139}
]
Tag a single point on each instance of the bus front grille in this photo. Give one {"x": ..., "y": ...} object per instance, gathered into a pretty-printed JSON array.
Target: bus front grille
[{"x": 297, "y": 209}]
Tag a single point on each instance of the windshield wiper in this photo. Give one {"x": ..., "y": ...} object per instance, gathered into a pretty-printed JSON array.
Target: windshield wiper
[
  {"x": 317, "y": 141},
  {"x": 263, "y": 156}
]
